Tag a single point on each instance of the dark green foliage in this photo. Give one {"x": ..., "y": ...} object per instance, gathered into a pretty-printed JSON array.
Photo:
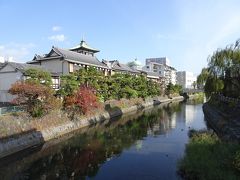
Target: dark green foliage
[
  {"x": 202, "y": 78},
  {"x": 109, "y": 87},
  {"x": 38, "y": 76},
  {"x": 69, "y": 85},
  {"x": 173, "y": 89}
]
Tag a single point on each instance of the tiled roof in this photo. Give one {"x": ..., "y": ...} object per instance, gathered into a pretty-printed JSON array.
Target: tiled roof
[
  {"x": 84, "y": 45},
  {"x": 78, "y": 57},
  {"x": 70, "y": 56},
  {"x": 115, "y": 65},
  {"x": 22, "y": 67},
  {"x": 2, "y": 65}
]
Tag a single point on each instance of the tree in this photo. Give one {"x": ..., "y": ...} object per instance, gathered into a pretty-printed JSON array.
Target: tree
[
  {"x": 38, "y": 76},
  {"x": 69, "y": 85},
  {"x": 194, "y": 84},
  {"x": 202, "y": 78},
  {"x": 38, "y": 99},
  {"x": 173, "y": 89},
  {"x": 223, "y": 72},
  {"x": 82, "y": 101}
]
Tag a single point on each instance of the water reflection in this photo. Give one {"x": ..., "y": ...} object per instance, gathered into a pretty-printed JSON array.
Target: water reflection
[{"x": 82, "y": 154}]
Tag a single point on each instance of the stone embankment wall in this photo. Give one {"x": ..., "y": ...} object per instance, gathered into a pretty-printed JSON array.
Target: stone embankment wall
[
  {"x": 33, "y": 138},
  {"x": 226, "y": 126}
]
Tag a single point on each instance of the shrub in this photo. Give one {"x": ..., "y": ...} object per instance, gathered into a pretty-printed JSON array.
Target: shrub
[
  {"x": 207, "y": 157},
  {"x": 83, "y": 101},
  {"x": 236, "y": 161},
  {"x": 37, "y": 98},
  {"x": 38, "y": 76}
]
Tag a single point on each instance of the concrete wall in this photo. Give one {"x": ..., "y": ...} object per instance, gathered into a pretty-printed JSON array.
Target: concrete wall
[
  {"x": 32, "y": 138},
  {"x": 7, "y": 77}
]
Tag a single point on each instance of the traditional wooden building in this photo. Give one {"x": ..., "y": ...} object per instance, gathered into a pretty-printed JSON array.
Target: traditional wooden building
[
  {"x": 65, "y": 61},
  {"x": 11, "y": 72},
  {"x": 116, "y": 67}
]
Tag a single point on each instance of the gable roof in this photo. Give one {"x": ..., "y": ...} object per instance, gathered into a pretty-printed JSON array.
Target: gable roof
[
  {"x": 115, "y": 65},
  {"x": 78, "y": 57},
  {"x": 22, "y": 67},
  {"x": 37, "y": 57},
  {"x": 2, "y": 65},
  {"x": 70, "y": 56}
]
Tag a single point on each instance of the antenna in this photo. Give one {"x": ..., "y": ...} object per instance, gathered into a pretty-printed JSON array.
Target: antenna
[{"x": 83, "y": 37}]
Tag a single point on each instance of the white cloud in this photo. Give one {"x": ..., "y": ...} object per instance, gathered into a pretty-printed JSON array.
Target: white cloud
[
  {"x": 56, "y": 28},
  {"x": 57, "y": 37},
  {"x": 18, "y": 51}
]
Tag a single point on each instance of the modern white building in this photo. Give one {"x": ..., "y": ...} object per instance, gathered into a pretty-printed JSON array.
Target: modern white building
[
  {"x": 160, "y": 60},
  {"x": 186, "y": 79},
  {"x": 162, "y": 67}
]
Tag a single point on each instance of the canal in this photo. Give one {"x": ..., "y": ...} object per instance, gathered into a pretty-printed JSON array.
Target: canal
[{"x": 144, "y": 145}]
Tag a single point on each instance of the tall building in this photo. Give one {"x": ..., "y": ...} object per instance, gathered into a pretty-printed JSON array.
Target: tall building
[
  {"x": 186, "y": 79},
  {"x": 162, "y": 67},
  {"x": 160, "y": 60}
]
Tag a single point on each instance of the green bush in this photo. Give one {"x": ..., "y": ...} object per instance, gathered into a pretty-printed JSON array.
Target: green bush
[
  {"x": 207, "y": 157},
  {"x": 115, "y": 87}
]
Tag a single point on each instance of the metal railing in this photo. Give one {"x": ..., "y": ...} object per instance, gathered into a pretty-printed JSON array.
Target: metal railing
[{"x": 10, "y": 109}]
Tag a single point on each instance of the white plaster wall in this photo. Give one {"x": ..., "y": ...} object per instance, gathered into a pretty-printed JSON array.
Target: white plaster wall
[{"x": 6, "y": 80}]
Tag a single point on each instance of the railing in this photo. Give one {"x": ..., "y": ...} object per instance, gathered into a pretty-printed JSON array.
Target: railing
[
  {"x": 228, "y": 99},
  {"x": 10, "y": 109}
]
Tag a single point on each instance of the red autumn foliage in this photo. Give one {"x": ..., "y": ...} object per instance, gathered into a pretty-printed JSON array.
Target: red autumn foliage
[
  {"x": 27, "y": 91},
  {"x": 85, "y": 100},
  {"x": 39, "y": 99}
]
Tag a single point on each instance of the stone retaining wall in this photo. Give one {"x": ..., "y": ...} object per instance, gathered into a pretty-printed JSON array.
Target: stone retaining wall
[
  {"x": 227, "y": 129},
  {"x": 12, "y": 145}
]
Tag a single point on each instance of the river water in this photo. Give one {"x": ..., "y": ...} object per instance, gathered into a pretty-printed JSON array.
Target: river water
[{"x": 144, "y": 145}]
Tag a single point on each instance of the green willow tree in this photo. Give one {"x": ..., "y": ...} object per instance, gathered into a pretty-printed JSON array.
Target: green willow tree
[{"x": 223, "y": 72}]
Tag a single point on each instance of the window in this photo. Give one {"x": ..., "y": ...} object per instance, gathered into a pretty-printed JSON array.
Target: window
[
  {"x": 70, "y": 67},
  {"x": 55, "y": 83}
]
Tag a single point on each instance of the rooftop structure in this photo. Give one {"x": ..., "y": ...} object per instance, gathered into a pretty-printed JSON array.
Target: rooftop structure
[
  {"x": 160, "y": 60},
  {"x": 84, "y": 48},
  {"x": 137, "y": 65}
]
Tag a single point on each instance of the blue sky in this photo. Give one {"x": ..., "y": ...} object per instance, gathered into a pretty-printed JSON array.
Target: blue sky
[{"x": 186, "y": 31}]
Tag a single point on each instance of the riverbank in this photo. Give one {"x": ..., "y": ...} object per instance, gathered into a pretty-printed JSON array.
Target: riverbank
[
  {"x": 34, "y": 137},
  {"x": 224, "y": 119},
  {"x": 207, "y": 157}
]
